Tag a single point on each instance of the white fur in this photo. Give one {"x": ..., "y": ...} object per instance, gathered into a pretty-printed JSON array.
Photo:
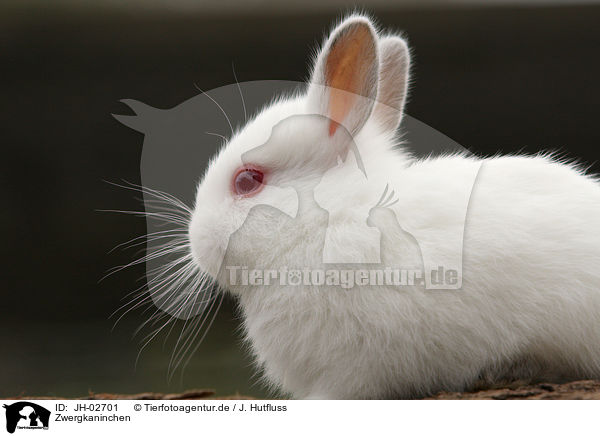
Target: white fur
[{"x": 530, "y": 301}]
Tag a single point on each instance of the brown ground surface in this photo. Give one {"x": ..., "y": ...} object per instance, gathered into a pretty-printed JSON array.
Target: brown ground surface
[
  {"x": 578, "y": 390},
  {"x": 193, "y": 394}
]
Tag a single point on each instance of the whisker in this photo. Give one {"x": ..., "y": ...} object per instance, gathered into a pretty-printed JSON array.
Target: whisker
[
  {"x": 160, "y": 195},
  {"x": 175, "y": 289},
  {"x": 149, "y": 238},
  {"x": 151, "y": 256},
  {"x": 240, "y": 90},
  {"x": 160, "y": 216},
  {"x": 190, "y": 352},
  {"x": 219, "y": 106},
  {"x": 200, "y": 320},
  {"x": 216, "y": 134}
]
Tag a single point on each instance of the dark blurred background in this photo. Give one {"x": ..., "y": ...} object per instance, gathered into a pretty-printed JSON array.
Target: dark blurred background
[{"x": 493, "y": 77}]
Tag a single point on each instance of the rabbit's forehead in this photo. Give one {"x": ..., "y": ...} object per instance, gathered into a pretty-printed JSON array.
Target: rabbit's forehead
[
  {"x": 280, "y": 126},
  {"x": 295, "y": 136},
  {"x": 252, "y": 136},
  {"x": 283, "y": 135}
]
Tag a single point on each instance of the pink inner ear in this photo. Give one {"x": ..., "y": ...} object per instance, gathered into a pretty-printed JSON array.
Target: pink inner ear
[
  {"x": 346, "y": 71},
  {"x": 340, "y": 104},
  {"x": 332, "y": 128},
  {"x": 333, "y": 125}
]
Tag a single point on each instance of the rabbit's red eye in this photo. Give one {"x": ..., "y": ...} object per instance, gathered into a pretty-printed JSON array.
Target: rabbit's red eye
[{"x": 247, "y": 181}]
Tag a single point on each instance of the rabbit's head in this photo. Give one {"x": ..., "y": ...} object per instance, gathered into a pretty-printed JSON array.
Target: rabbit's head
[{"x": 353, "y": 103}]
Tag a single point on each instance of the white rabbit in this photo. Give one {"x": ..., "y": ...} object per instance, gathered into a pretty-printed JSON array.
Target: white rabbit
[{"x": 529, "y": 305}]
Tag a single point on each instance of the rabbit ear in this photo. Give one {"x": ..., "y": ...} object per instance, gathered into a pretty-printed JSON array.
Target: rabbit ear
[
  {"x": 394, "y": 67},
  {"x": 344, "y": 80}
]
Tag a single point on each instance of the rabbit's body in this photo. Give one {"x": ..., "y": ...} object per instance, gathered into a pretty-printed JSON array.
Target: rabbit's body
[
  {"x": 529, "y": 240},
  {"x": 529, "y": 306}
]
